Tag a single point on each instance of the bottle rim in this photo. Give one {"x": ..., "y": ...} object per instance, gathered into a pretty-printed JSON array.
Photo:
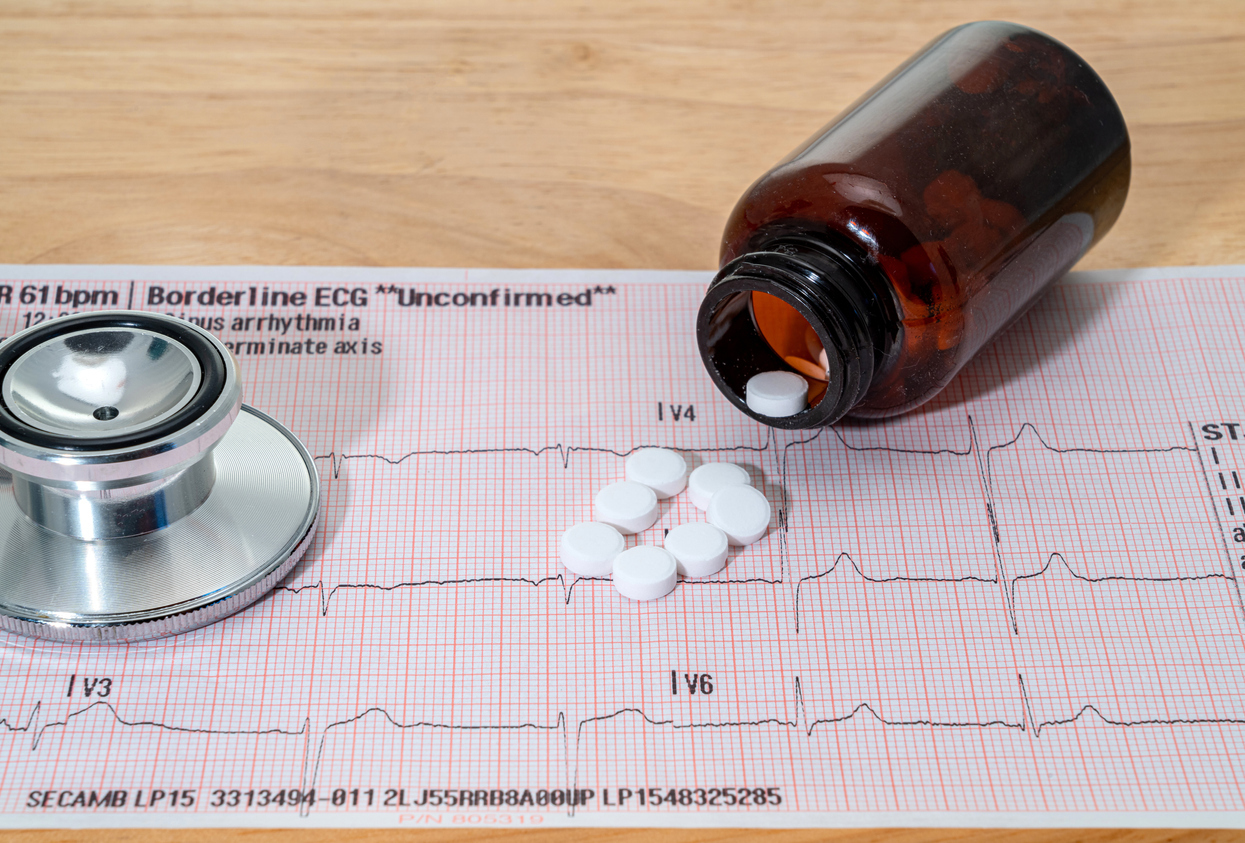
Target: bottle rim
[{"x": 734, "y": 348}]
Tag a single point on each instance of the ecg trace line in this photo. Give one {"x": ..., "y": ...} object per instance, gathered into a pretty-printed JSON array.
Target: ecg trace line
[
  {"x": 876, "y": 580},
  {"x": 37, "y": 731},
  {"x": 565, "y": 452},
  {"x": 1095, "y": 580},
  {"x": 312, "y": 770},
  {"x": 325, "y": 599},
  {"x": 1088, "y": 708}
]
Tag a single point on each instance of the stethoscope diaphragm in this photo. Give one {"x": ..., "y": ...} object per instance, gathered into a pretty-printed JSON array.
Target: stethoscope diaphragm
[{"x": 145, "y": 499}]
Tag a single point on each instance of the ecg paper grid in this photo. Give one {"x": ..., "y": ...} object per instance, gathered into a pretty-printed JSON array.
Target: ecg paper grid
[{"x": 1018, "y": 605}]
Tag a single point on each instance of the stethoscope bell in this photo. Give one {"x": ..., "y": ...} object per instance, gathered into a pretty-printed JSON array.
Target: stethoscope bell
[{"x": 145, "y": 498}]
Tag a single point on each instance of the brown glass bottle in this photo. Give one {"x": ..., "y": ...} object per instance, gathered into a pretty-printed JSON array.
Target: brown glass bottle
[{"x": 919, "y": 223}]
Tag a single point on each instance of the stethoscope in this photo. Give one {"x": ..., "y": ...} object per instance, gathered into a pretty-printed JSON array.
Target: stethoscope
[{"x": 145, "y": 498}]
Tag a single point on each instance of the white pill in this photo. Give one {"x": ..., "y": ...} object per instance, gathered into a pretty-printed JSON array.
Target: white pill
[
  {"x": 588, "y": 549},
  {"x": 626, "y": 505},
  {"x": 662, "y": 470},
  {"x": 741, "y": 512},
  {"x": 710, "y": 477},
  {"x": 698, "y": 548},
  {"x": 645, "y": 573},
  {"x": 776, "y": 394}
]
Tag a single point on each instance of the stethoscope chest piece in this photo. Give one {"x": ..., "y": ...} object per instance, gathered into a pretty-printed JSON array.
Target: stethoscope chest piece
[{"x": 144, "y": 498}]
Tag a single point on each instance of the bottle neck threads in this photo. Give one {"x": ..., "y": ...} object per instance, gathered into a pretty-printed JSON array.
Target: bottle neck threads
[{"x": 836, "y": 293}]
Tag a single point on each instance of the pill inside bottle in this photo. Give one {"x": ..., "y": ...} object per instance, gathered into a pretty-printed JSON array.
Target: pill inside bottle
[
  {"x": 777, "y": 394},
  {"x": 793, "y": 339}
]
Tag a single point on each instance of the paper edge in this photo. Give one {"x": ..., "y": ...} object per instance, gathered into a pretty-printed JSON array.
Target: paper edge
[{"x": 329, "y": 274}]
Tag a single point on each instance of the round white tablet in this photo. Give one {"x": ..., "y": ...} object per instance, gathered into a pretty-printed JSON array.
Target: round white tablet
[
  {"x": 698, "y": 548},
  {"x": 710, "y": 477},
  {"x": 645, "y": 573},
  {"x": 776, "y": 394},
  {"x": 741, "y": 512},
  {"x": 662, "y": 470},
  {"x": 588, "y": 549},
  {"x": 627, "y": 505}
]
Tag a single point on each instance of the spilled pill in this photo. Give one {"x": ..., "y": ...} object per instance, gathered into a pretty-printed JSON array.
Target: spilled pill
[
  {"x": 741, "y": 512},
  {"x": 708, "y": 478},
  {"x": 589, "y": 548},
  {"x": 776, "y": 394},
  {"x": 645, "y": 572},
  {"x": 662, "y": 470},
  {"x": 626, "y": 505},
  {"x": 698, "y": 548}
]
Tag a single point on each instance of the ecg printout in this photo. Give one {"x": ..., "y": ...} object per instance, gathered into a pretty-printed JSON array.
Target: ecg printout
[{"x": 1019, "y": 604}]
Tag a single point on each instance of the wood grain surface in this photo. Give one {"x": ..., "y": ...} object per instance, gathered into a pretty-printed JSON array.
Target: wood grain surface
[{"x": 544, "y": 133}]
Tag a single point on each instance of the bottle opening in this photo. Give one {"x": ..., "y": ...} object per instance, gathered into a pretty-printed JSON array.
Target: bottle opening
[
  {"x": 794, "y": 340},
  {"x": 806, "y": 352}
]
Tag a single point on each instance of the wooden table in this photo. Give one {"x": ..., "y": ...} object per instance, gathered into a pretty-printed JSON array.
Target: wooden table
[{"x": 539, "y": 134}]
